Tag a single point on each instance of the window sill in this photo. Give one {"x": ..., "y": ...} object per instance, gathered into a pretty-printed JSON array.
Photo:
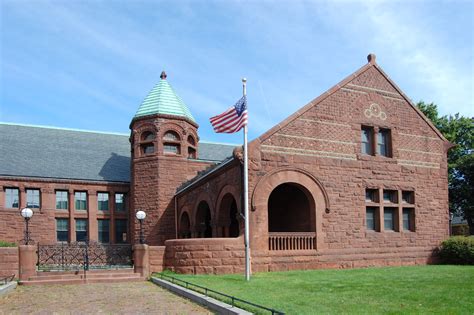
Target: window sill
[{"x": 375, "y": 158}]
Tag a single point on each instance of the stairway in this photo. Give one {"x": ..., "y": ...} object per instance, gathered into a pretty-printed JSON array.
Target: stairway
[{"x": 78, "y": 277}]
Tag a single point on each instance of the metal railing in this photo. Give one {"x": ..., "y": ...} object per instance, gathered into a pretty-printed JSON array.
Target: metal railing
[
  {"x": 291, "y": 240},
  {"x": 207, "y": 291}
]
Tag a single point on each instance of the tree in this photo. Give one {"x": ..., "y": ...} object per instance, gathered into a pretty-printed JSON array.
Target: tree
[{"x": 458, "y": 130}]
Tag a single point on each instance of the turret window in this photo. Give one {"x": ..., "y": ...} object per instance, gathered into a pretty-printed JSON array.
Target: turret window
[
  {"x": 147, "y": 143},
  {"x": 191, "y": 148},
  {"x": 171, "y": 143}
]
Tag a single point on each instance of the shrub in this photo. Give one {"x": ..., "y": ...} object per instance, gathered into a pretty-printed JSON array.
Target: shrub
[
  {"x": 458, "y": 250},
  {"x": 460, "y": 229},
  {"x": 7, "y": 244}
]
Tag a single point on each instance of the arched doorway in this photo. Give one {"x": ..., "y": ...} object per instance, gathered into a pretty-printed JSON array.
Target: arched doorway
[
  {"x": 291, "y": 209},
  {"x": 228, "y": 223},
  {"x": 184, "y": 226},
  {"x": 203, "y": 220}
]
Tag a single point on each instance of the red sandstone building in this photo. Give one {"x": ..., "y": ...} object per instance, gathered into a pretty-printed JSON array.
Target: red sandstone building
[{"x": 357, "y": 177}]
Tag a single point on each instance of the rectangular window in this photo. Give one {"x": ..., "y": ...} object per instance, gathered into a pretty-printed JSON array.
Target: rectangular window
[
  {"x": 103, "y": 227},
  {"x": 33, "y": 198},
  {"x": 120, "y": 231},
  {"x": 103, "y": 201},
  {"x": 408, "y": 219},
  {"x": 389, "y": 218},
  {"x": 81, "y": 230},
  {"x": 370, "y": 218},
  {"x": 12, "y": 199},
  {"x": 408, "y": 197},
  {"x": 367, "y": 138},
  {"x": 62, "y": 230},
  {"x": 372, "y": 195},
  {"x": 61, "y": 199},
  {"x": 390, "y": 196},
  {"x": 383, "y": 142},
  {"x": 171, "y": 148},
  {"x": 80, "y": 198},
  {"x": 120, "y": 202}
]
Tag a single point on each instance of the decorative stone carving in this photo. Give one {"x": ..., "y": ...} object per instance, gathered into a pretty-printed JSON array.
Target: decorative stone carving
[{"x": 375, "y": 111}]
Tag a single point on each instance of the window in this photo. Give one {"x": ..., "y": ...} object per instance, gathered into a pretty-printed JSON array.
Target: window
[
  {"x": 171, "y": 143},
  {"x": 81, "y": 230},
  {"x": 390, "y": 196},
  {"x": 383, "y": 141},
  {"x": 191, "y": 148},
  {"x": 120, "y": 202},
  {"x": 33, "y": 198},
  {"x": 383, "y": 145},
  {"x": 103, "y": 201},
  {"x": 147, "y": 143},
  {"x": 61, "y": 199},
  {"x": 12, "y": 198},
  {"x": 408, "y": 219},
  {"x": 389, "y": 218},
  {"x": 370, "y": 218},
  {"x": 367, "y": 144},
  {"x": 103, "y": 227},
  {"x": 371, "y": 195},
  {"x": 62, "y": 230},
  {"x": 120, "y": 231},
  {"x": 80, "y": 200},
  {"x": 408, "y": 197}
]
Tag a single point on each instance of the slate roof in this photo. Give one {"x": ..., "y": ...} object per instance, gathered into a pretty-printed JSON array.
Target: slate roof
[
  {"x": 162, "y": 99},
  {"x": 48, "y": 152}
]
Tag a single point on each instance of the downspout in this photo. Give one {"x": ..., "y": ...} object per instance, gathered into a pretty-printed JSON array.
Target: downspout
[{"x": 176, "y": 216}]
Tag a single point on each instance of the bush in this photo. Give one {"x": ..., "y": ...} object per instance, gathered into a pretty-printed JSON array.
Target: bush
[
  {"x": 7, "y": 244},
  {"x": 458, "y": 250}
]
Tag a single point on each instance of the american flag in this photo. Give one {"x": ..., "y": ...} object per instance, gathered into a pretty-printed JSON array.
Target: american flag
[{"x": 233, "y": 119}]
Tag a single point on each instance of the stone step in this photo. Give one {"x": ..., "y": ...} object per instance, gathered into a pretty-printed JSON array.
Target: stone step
[
  {"x": 127, "y": 278},
  {"x": 81, "y": 271},
  {"x": 82, "y": 276}
]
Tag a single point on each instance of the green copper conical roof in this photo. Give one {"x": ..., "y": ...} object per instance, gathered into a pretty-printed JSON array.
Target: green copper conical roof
[{"x": 163, "y": 100}]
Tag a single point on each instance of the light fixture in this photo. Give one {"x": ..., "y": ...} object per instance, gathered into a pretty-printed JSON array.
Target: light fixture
[
  {"x": 27, "y": 213},
  {"x": 141, "y": 215}
]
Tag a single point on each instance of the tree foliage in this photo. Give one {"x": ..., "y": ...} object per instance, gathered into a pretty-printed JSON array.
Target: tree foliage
[{"x": 458, "y": 130}]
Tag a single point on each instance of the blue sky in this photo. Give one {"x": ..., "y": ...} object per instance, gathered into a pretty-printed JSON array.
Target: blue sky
[{"x": 89, "y": 64}]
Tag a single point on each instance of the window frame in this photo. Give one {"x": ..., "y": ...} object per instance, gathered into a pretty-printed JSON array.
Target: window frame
[
  {"x": 174, "y": 141},
  {"x": 386, "y": 135},
  {"x": 119, "y": 240},
  {"x": 100, "y": 202},
  {"x": 124, "y": 206},
  {"x": 7, "y": 197},
  {"x": 101, "y": 232},
  {"x": 370, "y": 140},
  {"x": 56, "y": 199},
  {"x": 30, "y": 194},
  {"x": 86, "y": 205},
  {"x": 146, "y": 143},
  {"x": 67, "y": 230},
  {"x": 81, "y": 231}
]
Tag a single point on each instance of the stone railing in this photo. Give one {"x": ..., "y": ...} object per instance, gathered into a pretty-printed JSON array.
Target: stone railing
[{"x": 292, "y": 240}]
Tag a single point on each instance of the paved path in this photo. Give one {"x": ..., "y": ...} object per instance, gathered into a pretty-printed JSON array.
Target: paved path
[{"x": 115, "y": 298}]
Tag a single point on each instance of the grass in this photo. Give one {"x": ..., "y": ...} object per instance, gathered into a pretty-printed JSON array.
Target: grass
[
  {"x": 7, "y": 244},
  {"x": 441, "y": 289}
]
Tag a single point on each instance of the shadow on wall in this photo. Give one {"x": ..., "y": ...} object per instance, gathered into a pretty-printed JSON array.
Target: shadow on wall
[{"x": 117, "y": 168}]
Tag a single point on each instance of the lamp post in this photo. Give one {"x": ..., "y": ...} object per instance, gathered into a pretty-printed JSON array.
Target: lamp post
[
  {"x": 141, "y": 215},
  {"x": 26, "y": 213}
]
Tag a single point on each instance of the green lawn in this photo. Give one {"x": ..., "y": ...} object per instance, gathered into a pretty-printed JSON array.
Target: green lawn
[{"x": 437, "y": 289}]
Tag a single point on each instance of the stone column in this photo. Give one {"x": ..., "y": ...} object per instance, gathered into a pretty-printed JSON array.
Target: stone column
[
  {"x": 27, "y": 261},
  {"x": 141, "y": 259}
]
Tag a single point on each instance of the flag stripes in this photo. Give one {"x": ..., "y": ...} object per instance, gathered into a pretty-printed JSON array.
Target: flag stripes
[{"x": 233, "y": 119}]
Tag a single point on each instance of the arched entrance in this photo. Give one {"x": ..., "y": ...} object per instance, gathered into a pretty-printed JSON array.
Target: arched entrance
[
  {"x": 228, "y": 224},
  {"x": 203, "y": 226},
  {"x": 291, "y": 209},
  {"x": 184, "y": 226}
]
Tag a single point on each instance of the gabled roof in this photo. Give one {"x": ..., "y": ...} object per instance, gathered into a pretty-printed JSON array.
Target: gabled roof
[
  {"x": 162, "y": 99},
  {"x": 48, "y": 152},
  {"x": 371, "y": 63}
]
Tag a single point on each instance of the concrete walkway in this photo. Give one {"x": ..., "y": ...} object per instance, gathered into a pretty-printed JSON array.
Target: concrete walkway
[{"x": 115, "y": 298}]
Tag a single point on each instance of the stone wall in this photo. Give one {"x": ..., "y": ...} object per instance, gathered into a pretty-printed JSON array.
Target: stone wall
[
  {"x": 9, "y": 261},
  {"x": 157, "y": 258},
  {"x": 205, "y": 256},
  {"x": 43, "y": 223}
]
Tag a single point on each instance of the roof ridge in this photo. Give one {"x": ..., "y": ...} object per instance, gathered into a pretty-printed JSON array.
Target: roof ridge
[{"x": 64, "y": 128}]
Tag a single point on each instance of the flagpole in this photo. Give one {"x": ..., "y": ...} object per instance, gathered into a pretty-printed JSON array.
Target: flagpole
[{"x": 246, "y": 195}]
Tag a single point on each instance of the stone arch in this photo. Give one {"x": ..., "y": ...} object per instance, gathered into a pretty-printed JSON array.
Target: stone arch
[
  {"x": 203, "y": 220},
  {"x": 184, "y": 225},
  {"x": 224, "y": 207},
  {"x": 293, "y": 176},
  {"x": 173, "y": 147}
]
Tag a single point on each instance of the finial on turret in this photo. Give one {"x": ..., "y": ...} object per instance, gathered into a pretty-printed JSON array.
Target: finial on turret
[
  {"x": 371, "y": 58},
  {"x": 163, "y": 75}
]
